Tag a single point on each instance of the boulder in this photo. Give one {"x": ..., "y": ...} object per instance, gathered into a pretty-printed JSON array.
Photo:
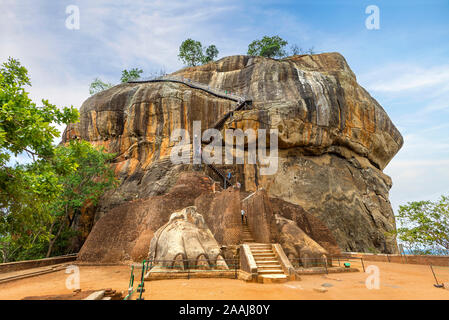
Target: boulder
[
  {"x": 298, "y": 246},
  {"x": 334, "y": 138},
  {"x": 185, "y": 241}
]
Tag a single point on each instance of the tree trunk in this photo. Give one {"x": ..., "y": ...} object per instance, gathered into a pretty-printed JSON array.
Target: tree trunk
[{"x": 52, "y": 241}]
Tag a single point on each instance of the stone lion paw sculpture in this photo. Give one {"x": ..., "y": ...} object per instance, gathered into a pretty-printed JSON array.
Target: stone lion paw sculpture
[
  {"x": 185, "y": 242},
  {"x": 297, "y": 244}
]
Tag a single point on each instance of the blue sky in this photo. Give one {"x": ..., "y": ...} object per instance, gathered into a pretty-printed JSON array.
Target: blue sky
[{"x": 404, "y": 64}]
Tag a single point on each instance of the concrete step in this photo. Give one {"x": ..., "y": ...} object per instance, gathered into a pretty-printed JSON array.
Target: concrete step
[
  {"x": 264, "y": 258},
  {"x": 263, "y": 262},
  {"x": 270, "y": 271},
  {"x": 263, "y": 254},
  {"x": 272, "y": 278},
  {"x": 269, "y": 266},
  {"x": 261, "y": 246},
  {"x": 261, "y": 250}
]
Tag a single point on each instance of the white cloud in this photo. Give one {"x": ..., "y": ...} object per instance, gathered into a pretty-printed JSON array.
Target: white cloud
[
  {"x": 402, "y": 77},
  {"x": 421, "y": 169}
]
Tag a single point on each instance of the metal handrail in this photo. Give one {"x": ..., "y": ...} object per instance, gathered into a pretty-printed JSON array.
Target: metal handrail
[{"x": 215, "y": 91}]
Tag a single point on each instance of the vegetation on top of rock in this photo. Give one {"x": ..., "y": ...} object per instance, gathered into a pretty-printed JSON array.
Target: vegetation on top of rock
[
  {"x": 295, "y": 49},
  {"x": 274, "y": 47},
  {"x": 425, "y": 226},
  {"x": 269, "y": 47},
  {"x": 131, "y": 75},
  {"x": 33, "y": 195},
  {"x": 210, "y": 54},
  {"x": 191, "y": 53},
  {"x": 99, "y": 85}
]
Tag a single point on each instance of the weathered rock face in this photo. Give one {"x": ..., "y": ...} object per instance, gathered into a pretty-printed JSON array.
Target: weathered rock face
[
  {"x": 124, "y": 233},
  {"x": 334, "y": 138},
  {"x": 300, "y": 234},
  {"x": 167, "y": 227},
  {"x": 297, "y": 245},
  {"x": 185, "y": 241}
]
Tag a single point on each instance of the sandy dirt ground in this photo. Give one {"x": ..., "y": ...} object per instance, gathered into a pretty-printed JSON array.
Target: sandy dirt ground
[{"x": 397, "y": 281}]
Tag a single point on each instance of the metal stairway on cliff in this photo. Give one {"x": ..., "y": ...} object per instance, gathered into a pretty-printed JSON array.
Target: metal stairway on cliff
[
  {"x": 218, "y": 126},
  {"x": 242, "y": 101},
  {"x": 196, "y": 85}
]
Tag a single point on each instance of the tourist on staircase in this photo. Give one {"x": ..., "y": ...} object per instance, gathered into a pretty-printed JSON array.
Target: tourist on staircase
[{"x": 244, "y": 217}]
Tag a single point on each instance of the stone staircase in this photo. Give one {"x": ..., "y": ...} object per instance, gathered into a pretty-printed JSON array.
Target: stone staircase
[
  {"x": 269, "y": 269},
  {"x": 247, "y": 237}
]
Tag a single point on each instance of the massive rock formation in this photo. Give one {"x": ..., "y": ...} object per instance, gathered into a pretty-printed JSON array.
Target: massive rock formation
[{"x": 334, "y": 138}]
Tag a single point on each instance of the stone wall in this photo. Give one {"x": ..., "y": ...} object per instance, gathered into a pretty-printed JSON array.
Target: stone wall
[
  {"x": 397, "y": 258},
  {"x": 29, "y": 264}
]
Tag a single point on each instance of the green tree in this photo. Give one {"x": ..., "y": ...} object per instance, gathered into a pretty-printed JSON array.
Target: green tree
[
  {"x": 39, "y": 200},
  {"x": 191, "y": 52},
  {"x": 25, "y": 128},
  {"x": 90, "y": 177},
  {"x": 210, "y": 54},
  {"x": 36, "y": 222},
  {"x": 99, "y": 85},
  {"x": 425, "y": 225},
  {"x": 25, "y": 216},
  {"x": 131, "y": 75},
  {"x": 270, "y": 47}
]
